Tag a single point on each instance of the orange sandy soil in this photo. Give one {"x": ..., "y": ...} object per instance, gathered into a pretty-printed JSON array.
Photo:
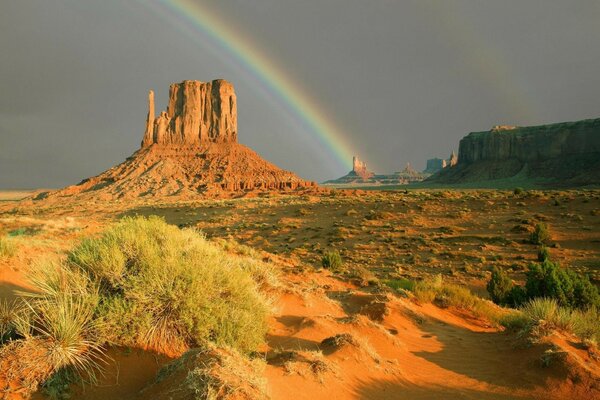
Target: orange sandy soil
[{"x": 398, "y": 349}]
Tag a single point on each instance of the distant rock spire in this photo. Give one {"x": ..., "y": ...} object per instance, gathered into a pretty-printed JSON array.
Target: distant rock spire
[
  {"x": 149, "y": 133},
  {"x": 453, "y": 159}
]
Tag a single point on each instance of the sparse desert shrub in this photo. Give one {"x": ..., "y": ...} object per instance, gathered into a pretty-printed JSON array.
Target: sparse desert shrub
[
  {"x": 502, "y": 289},
  {"x": 570, "y": 289},
  {"x": 518, "y": 191},
  {"x": 363, "y": 276},
  {"x": 8, "y": 247},
  {"x": 540, "y": 235},
  {"x": 543, "y": 254},
  {"x": 499, "y": 286},
  {"x": 332, "y": 260},
  {"x": 169, "y": 289}
]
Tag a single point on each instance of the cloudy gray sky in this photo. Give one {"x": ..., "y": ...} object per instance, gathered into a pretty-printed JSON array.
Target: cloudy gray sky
[{"x": 401, "y": 80}]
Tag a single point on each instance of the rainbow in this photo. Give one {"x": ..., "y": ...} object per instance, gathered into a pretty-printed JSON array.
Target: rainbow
[{"x": 263, "y": 70}]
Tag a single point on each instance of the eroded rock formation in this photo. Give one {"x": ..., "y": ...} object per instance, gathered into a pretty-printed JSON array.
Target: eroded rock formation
[
  {"x": 189, "y": 150},
  {"x": 564, "y": 154},
  {"x": 361, "y": 176},
  {"x": 198, "y": 112},
  {"x": 359, "y": 168}
]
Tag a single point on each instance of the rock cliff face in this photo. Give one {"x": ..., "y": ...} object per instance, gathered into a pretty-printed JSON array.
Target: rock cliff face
[
  {"x": 434, "y": 165},
  {"x": 565, "y": 153},
  {"x": 198, "y": 112},
  {"x": 189, "y": 150}
]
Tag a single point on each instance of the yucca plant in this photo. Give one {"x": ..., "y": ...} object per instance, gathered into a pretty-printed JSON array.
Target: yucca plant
[
  {"x": 9, "y": 310},
  {"x": 59, "y": 316}
]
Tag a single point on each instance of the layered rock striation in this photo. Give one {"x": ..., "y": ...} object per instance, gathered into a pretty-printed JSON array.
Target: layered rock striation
[
  {"x": 198, "y": 112},
  {"x": 564, "y": 153},
  {"x": 189, "y": 150}
]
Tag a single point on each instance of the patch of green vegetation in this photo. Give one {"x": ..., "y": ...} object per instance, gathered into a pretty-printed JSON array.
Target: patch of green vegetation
[
  {"x": 502, "y": 289},
  {"x": 333, "y": 261},
  {"x": 141, "y": 283},
  {"x": 540, "y": 235},
  {"x": 168, "y": 289},
  {"x": 545, "y": 280},
  {"x": 543, "y": 254},
  {"x": 25, "y": 231},
  {"x": 400, "y": 284}
]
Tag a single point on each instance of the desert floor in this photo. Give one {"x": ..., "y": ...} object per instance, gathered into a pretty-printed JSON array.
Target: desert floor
[{"x": 394, "y": 347}]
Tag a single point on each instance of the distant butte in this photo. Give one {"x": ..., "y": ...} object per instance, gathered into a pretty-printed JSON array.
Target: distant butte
[{"x": 189, "y": 150}]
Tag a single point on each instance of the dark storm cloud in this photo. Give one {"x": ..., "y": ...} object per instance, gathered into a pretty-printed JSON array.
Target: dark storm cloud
[{"x": 405, "y": 80}]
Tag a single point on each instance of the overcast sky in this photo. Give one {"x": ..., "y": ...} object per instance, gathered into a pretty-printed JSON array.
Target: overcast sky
[{"x": 403, "y": 80}]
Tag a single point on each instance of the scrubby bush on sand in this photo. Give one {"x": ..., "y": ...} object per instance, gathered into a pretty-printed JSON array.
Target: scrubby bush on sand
[
  {"x": 212, "y": 374},
  {"x": 569, "y": 288},
  {"x": 543, "y": 254},
  {"x": 502, "y": 289},
  {"x": 141, "y": 283},
  {"x": 170, "y": 289},
  {"x": 540, "y": 235}
]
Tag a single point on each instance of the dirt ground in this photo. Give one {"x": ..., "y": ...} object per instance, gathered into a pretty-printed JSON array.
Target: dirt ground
[{"x": 402, "y": 350}]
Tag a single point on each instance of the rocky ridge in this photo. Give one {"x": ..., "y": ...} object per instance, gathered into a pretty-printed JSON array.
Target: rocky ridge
[{"x": 556, "y": 154}]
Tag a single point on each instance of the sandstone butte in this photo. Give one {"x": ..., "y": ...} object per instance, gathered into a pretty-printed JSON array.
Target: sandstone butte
[{"x": 189, "y": 150}]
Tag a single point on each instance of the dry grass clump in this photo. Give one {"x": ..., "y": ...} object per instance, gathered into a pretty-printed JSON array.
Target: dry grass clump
[
  {"x": 309, "y": 363},
  {"x": 54, "y": 329},
  {"x": 541, "y": 316},
  {"x": 343, "y": 340},
  {"x": 435, "y": 290},
  {"x": 8, "y": 247},
  {"x": 213, "y": 374}
]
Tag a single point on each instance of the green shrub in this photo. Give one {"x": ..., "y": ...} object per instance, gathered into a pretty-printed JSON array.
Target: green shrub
[
  {"x": 503, "y": 291},
  {"x": 543, "y": 254},
  {"x": 500, "y": 286},
  {"x": 332, "y": 260},
  {"x": 568, "y": 288},
  {"x": 170, "y": 289},
  {"x": 540, "y": 234},
  {"x": 518, "y": 191}
]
